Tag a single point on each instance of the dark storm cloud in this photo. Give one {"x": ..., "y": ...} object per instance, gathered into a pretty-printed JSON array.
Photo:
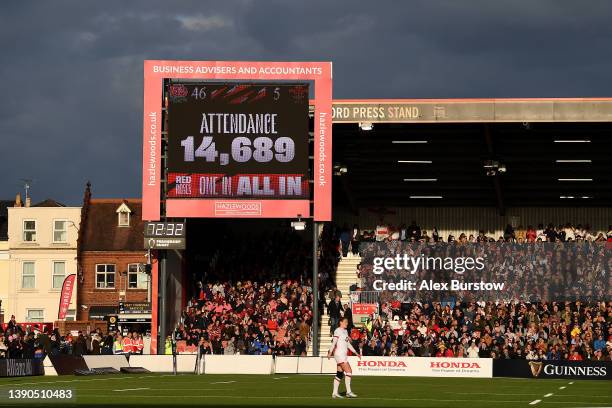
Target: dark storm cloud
[{"x": 71, "y": 72}]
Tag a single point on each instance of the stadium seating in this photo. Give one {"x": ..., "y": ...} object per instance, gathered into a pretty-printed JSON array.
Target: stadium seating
[{"x": 573, "y": 332}]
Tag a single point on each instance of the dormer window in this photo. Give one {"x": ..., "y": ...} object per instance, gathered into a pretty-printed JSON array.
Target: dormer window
[{"x": 123, "y": 215}]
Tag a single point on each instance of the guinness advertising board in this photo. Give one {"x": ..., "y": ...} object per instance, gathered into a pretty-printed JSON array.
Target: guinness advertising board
[{"x": 584, "y": 370}]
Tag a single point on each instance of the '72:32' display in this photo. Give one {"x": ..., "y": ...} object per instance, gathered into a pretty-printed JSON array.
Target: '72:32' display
[{"x": 164, "y": 229}]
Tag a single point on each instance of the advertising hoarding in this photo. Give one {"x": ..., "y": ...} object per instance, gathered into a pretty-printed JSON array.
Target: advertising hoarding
[
  {"x": 584, "y": 370},
  {"x": 422, "y": 366},
  {"x": 156, "y": 71}
]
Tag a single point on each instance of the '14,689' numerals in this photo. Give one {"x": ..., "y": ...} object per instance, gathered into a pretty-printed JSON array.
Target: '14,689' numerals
[{"x": 261, "y": 149}]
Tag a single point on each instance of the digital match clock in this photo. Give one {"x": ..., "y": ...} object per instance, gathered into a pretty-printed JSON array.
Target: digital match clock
[
  {"x": 164, "y": 235},
  {"x": 164, "y": 229}
]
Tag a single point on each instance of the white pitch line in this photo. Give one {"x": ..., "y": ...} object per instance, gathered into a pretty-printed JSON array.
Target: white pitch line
[
  {"x": 280, "y": 378},
  {"x": 223, "y": 382},
  {"x": 63, "y": 381},
  {"x": 484, "y": 393},
  {"x": 165, "y": 389},
  {"x": 132, "y": 389},
  {"x": 312, "y": 397},
  {"x": 535, "y": 402},
  {"x": 550, "y": 394},
  {"x": 590, "y": 396},
  {"x": 562, "y": 388},
  {"x": 575, "y": 404}
]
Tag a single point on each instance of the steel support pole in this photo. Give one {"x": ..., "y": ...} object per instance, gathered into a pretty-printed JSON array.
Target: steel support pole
[
  {"x": 161, "y": 304},
  {"x": 315, "y": 289}
]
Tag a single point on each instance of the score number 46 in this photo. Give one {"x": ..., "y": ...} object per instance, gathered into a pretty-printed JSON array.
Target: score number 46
[{"x": 262, "y": 149}]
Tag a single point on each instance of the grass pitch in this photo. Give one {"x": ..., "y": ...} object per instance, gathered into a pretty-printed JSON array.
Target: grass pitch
[{"x": 310, "y": 391}]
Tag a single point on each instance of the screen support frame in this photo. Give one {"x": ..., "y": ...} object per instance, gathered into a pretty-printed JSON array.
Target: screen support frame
[{"x": 153, "y": 200}]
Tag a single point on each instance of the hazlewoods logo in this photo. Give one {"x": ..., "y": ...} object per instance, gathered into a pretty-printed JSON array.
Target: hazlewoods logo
[{"x": 536, "y": 368}]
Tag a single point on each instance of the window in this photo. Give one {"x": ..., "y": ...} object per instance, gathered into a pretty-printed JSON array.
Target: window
[
  {"x": 59, "y": 273},
  {"x": 137, "y": 278},
  {"x": 124, "y": 219},
  {"x": 60, "y": 230},
  {"x": 71, "y": 315},
  {"x": 105, "y": 276},
  {"x": 29, "y": 231},
  {"x": 35, "y": 315},
  {"x": 123, "y": 213},
  {"x": 28, "y": 275}
]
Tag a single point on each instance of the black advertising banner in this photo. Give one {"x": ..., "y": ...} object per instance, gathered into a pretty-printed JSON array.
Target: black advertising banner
[
  {"x": 585, "y": 370},
  {"x": 134, "y": 307},
  {"x": 66, "y": 364},
  {"x": 238, "y": 140},
  {"x": 18, "y": 367}
]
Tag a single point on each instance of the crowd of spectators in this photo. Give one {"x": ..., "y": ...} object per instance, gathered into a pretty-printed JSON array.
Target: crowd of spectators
[
  {"x": 521, "y": 330},
  {"x": 33, "y": 341},
  {"x": 256, "y": 295},
  {"x": 350, "y": 238},
  {"x": 249, "y": 317},
  {"x": 525, "y": 327},
  {"x": 540, "y": 271}
]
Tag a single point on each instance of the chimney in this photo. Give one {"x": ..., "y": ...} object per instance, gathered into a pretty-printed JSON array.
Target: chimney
[
  {"x": 28, "y": 202},
  {"x": 18, "y": 202}
]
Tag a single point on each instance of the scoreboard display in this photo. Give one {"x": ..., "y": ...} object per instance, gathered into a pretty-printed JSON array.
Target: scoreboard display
[
  {"x": 165, "y": 235},
  {"x": 164, "y": 230},
  {"x": 238, "y": 140}
]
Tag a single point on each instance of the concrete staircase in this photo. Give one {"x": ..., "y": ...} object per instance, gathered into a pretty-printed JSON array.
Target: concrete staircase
[{"x": 346, "y": 275}]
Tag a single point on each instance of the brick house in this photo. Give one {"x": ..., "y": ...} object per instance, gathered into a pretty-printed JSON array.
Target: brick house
[{"x": 111, "y": 259}]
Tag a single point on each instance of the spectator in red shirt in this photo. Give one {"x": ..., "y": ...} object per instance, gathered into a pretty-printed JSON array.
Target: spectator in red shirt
[{"x": 575, "y": 356}]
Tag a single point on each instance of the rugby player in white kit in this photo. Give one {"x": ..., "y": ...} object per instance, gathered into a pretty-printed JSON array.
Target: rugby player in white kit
[{"x": 341, "y": 343}]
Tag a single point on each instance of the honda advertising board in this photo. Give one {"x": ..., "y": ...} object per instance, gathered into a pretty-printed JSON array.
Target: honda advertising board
[{"x": 422, "y": 366}]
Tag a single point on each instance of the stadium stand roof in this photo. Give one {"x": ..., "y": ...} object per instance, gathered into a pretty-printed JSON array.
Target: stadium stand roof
[{"x": 556, "y": 152}]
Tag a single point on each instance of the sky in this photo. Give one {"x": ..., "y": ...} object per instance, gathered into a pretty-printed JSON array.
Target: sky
[{"x": 71, "y": 71}]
